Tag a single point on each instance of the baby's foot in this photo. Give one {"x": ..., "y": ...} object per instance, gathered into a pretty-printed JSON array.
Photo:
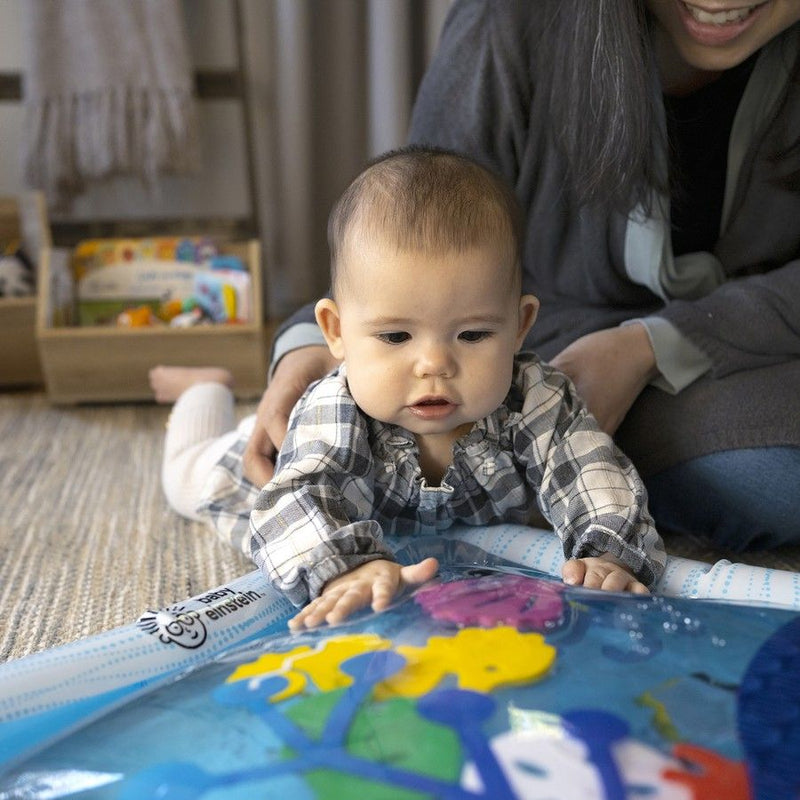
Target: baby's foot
[{"x": 168, "y": 383}]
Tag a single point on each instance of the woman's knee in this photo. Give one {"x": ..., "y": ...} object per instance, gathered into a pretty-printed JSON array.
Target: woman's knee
[{"x": 740, "y": 499}]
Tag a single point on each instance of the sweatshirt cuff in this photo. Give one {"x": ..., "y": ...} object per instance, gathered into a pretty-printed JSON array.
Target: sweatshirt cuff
[
  {"x": 304, "y": 334},
  {"x": 679, "y": 361}
]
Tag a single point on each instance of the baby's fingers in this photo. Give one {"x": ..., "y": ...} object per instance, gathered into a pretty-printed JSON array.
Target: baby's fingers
[
  {"x": 620, "y": 581},
  {"x": 419, "y": 573},
  {"x": 337, "y": 604},
  {"x": 601, "y": 573},
  {"x": 573, "y": 572},
  {"x": 312, "y": 615},
  {"x": 331, "y": 607},
  {"x": 383, "y": 591},
  {"x": 614, "y": 578},
  {"x": 636, "y": 587},
  {"x": 354, "y": 597}
]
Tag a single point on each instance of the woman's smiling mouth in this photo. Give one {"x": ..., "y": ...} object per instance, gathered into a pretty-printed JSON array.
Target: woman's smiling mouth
[
  {"x": 711, "y": 26},
  {"x": 724, "y": 17}
]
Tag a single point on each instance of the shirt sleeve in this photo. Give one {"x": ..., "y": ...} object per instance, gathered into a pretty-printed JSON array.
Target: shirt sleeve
[
  {"x": 311, "y": 522},
  {"x": 588, "y": 489},
  {"x": 679, "y": 361}
]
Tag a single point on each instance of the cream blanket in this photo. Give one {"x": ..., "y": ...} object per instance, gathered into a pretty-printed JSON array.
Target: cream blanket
[{"x": 108, "y": 91}]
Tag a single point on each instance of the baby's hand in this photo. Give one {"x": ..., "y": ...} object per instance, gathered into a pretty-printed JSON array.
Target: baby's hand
[
  {"x": 602, "y": 572},
  {"x": 374, "y": 583}
]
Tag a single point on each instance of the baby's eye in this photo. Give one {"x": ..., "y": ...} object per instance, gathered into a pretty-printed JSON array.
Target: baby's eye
[
  {"x": 474, "y": 336},
  {"x": 394, "y": 337}
]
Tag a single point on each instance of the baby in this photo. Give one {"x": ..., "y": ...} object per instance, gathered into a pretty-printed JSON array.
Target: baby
[{"x": 435, "y": 416}]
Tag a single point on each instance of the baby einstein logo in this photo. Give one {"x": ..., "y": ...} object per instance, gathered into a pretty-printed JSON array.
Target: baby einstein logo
[
  {"x": 188, "y": 627},
  {"x": 175, "y": 625}
]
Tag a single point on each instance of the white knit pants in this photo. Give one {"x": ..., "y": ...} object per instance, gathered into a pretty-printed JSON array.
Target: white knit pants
[{"x": 201, "y": 428}]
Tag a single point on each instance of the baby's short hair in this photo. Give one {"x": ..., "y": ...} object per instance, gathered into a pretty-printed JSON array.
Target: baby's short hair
[{"x": 431, "y": 199}]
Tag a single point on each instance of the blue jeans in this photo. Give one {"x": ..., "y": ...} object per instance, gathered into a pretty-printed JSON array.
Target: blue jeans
[{"x": 739, "y": 499}]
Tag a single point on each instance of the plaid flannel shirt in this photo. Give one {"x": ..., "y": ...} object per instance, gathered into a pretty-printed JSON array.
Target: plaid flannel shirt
[{"x": 344, "y": 480}]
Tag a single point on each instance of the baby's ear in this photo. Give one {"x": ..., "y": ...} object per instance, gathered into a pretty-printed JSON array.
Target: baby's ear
[
  {"x": 528, "y": 309},
  {"x": 327, "y": 313}
]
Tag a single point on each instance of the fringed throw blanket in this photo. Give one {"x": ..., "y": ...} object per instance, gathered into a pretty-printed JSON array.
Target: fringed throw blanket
[{"x": 108, "y": 91}]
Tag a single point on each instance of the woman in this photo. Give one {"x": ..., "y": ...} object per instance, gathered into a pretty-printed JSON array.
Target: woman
[{"x": 655, "y": 148}]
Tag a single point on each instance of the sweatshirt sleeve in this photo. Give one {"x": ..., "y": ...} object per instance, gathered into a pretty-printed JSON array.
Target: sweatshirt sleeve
[
  {"x": 298, "y": 330},
  {"x": 311, "y": 522},
  {"x": 745, "y": 323}
]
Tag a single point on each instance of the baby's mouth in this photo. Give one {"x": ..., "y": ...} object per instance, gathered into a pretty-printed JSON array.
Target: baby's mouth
[
  {"x": 732, "y": 16},
  {"x": 432, "y": 407}
]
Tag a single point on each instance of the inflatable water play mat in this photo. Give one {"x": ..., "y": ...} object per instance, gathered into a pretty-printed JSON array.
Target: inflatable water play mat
[{"x": 490, "y": 682}]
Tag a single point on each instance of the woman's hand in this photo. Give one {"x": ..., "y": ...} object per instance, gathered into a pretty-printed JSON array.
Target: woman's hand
[
  {"x": 295, "y": 371},
  {"x": 610, "y": 368}
]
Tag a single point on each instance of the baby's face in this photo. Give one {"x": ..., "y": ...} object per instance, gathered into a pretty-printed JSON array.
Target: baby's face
[{"x": 429, "y": 341}]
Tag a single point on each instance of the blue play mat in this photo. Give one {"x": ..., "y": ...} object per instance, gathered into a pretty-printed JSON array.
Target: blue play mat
[{"x": 494, "y": 681}]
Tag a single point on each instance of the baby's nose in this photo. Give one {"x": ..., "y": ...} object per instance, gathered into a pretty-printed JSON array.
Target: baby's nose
[{"x": 435, "y": 360}]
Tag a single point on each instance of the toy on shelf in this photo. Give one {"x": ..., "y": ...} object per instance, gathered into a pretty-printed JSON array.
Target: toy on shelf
[
  {"x": 170, "y": 309},
  {"x": 16, "y": 272},
  {"x": 117, "y": 279},
  {"x": 171, "y": 313},
  {"x": 188, "y": 319},
  {"x": 139, "y": 317}
]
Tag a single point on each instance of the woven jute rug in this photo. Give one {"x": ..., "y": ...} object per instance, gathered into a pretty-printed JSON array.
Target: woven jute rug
[{"x": 87, "y": 540}]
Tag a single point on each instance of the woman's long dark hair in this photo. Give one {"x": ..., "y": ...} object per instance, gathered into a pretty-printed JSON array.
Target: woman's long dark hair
[
  {"x": 595, "y": 70},
  {"x": 597, "y": 63}
]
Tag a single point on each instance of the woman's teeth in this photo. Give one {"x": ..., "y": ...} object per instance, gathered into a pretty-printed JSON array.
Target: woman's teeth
[{"x": 719, "y": 17}]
